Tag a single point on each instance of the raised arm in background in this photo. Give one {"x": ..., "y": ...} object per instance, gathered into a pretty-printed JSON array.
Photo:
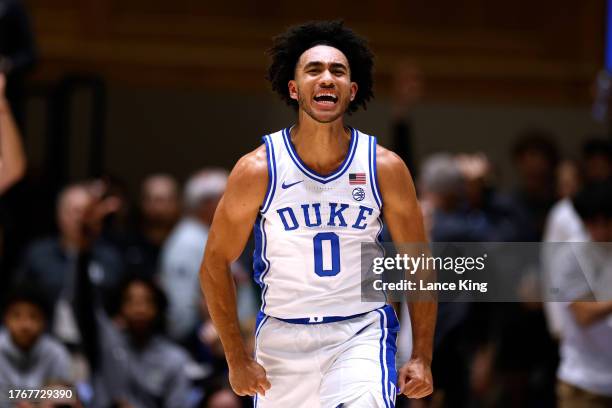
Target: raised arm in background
[{"x": 12, "y": 156}]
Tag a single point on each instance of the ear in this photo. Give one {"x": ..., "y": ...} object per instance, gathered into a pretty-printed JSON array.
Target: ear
[
  {"x": 293, "y": 90},
  {"x": 354, "y": 88}
]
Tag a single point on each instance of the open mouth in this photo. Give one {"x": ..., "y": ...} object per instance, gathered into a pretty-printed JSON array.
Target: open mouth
[{"x": 326, "y": 98}]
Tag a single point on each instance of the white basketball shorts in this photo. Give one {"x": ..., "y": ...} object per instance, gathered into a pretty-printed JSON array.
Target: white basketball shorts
[{"x": 346, "y": 364}]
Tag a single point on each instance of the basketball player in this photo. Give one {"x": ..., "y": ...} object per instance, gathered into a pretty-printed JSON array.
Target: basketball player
[{"x": 315, "y": 191}]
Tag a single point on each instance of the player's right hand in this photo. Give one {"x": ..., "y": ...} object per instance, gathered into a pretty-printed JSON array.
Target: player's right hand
[{"x": 248, "y": 377}]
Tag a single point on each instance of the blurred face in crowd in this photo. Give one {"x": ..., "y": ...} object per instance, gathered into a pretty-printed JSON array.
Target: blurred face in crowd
[
  {"x": 535, "y": 169},
  {"x": 322, "y": 84},
  {"x": 568, "y": 179},
  {"x": 71, "y": 208},
  {"x": 25, "y": 322},
  {"x": 224, "y": 399},
  {"x": 160, "y": 200},
  {"x": 139, "y": 308}
]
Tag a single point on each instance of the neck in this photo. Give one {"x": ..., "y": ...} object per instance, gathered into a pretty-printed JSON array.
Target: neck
[{"x": 322, "y": 146}]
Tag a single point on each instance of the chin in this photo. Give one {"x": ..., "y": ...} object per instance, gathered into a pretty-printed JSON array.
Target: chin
[{"x": 327, "y": 117}]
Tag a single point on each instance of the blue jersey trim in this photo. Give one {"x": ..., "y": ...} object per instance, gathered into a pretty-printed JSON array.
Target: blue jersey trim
[
  {"x": 261, "y": 265},
  {"x": 373, "y": 171},
  {"x": 392, "y": 330},
  {"x": 313, "y": 174},
  {"x": 383, "y": 251},
  {"x": 383, "y": 366},
  {"x": 389, "y": 327},
  {"x": 271, "y": 174}
]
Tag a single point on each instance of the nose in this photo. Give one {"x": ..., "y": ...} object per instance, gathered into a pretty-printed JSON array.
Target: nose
[{"x": 327, "y": 79}]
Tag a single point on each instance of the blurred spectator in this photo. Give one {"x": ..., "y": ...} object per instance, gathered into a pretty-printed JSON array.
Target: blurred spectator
[
  {"x": 442, "y": 196},
  {"x": 535, "y": 157},
  {"x": 501, "y": 213},
  {"x": 159, "y": 212},
  {"x": 460, "y": 204},
  {"x": 12, "y": 156},
  {"x": 182, "y": 253},
  {"x": 441, "y": 193},
  {"x": 132, "y": 363},
  {"x": 17, "y": 51},
  {"x": 28, "y": 357},
  {"x": 51, "y": 262},
  {"x": 585, "y": 371},
  {"x": 597, "y": 158},
  {"x": 563, "y": 224}
]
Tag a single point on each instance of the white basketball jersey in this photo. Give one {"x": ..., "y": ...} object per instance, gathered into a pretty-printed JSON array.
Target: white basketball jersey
[{"x": 310, "y": 228}]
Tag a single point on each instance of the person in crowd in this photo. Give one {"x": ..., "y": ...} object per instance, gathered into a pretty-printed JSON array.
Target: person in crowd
[
  {"x": 29, "y": 358},
  {"x": 51, "y": 262},
  {"x": 182, "y": 252},
  {"x": 131, "y": 361},
  {"x": 569, "y": 179},
  {"x": 535, "y": 157},
  {"x": 159, "y": 211},
  {"x": 563, "y": 224},
  {"x": 581, "y": 271},
  {"x": 461, "y": 203}
]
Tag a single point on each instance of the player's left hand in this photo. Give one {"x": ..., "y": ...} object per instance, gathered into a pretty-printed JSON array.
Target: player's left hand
[{"x": 415, "y": 379}]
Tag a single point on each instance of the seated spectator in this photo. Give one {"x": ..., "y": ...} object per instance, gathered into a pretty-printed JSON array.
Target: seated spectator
[
  {"x": 132, "y": 362},
  {"x": 29, "y": 358},
  {"x": 182, "y": 253},
  {"x": 51, "y": 262}
]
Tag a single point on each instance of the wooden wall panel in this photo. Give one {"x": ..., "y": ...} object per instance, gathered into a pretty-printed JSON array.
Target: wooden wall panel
[{"x": 542, "y": 52}]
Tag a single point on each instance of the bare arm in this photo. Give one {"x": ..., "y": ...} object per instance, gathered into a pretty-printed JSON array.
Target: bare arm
[
  {"x": 404, "y": 219},
  {"x": 228, "y": 235},
  {"x": 12, "y": 157},
  {"x": 587, "y": 313}
]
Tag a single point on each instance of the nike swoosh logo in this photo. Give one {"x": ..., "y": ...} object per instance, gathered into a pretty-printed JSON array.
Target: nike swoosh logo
[{"x": 285, "y": 186}]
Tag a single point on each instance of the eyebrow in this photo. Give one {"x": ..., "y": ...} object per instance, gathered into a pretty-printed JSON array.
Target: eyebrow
[{"x": 333, "y": 65}]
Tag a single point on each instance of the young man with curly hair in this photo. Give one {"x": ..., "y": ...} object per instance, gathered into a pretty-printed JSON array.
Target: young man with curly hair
[{"x": 315, "y": 192}]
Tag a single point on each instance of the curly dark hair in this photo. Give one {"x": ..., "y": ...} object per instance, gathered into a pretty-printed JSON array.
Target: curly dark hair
[{"x": 289, "y": 46}]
